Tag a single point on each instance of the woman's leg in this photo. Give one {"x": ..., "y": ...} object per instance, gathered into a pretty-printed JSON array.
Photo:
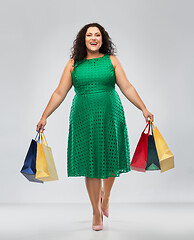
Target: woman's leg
[
  {"x": 107, "y": 186},
  {"x": 93, "y": 186}
]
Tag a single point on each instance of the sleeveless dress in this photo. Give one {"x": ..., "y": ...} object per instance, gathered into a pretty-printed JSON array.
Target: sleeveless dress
[{"x": 98, "y": 144}]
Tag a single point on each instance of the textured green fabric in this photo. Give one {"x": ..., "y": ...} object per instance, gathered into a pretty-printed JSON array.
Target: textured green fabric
[{"x": 98, "y": 144}]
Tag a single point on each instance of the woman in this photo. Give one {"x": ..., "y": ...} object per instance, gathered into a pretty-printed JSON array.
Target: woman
[{"x": 98, "y": 144}]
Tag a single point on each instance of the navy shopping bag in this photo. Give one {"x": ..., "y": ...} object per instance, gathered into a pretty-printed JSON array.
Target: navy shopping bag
[{"x": 29, "y": 167}]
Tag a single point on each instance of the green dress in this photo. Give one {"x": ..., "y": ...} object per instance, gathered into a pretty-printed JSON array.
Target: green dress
[{"x": 98, "y": 144}]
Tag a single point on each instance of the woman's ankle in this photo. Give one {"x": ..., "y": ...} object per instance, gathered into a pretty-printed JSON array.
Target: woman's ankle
[
  {"x": 97, "y": 212},
  {"x": 97, "y": 219}
]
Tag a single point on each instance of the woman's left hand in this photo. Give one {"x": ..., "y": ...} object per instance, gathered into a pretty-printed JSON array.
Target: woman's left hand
[{"x": 147, "y": 115}]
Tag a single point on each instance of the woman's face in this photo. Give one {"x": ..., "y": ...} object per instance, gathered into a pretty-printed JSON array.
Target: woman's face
[{"x": 93, "y": 35}]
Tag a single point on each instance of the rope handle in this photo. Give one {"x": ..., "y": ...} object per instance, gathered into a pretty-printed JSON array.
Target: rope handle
[
  {"x": 38, "y": 133},
  {"x": 42, "y": 136},
  {"x": 152, "y": 124},
  {"x": 148, "y": 124}
]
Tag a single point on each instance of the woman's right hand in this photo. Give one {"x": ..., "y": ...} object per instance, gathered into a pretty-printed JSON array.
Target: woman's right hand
[{"x": 41, "y": 125}]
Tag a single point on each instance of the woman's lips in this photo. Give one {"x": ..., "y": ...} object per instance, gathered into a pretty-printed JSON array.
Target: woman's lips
[{"x": 93, "y": 44}]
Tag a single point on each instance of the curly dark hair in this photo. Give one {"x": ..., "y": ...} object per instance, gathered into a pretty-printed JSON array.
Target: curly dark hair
[{"x": 78, "y": 51}]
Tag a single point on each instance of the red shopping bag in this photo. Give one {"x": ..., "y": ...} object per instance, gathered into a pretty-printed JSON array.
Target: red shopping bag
[{"x": 139, "y": 159}]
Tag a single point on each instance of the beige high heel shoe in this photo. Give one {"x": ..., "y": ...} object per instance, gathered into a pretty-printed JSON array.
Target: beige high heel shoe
[{"x": 98, "y": 227}]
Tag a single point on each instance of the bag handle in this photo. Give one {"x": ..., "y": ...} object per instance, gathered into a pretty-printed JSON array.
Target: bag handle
[
  {"x": 151, "y": 127},
  {"x": 152, "y": 124},
  {"x": 38, "y": 133},
  {"x": 146, "y": 127},
  {"x": 45, "y": 138},
  {"x": 42, "y": 136}
]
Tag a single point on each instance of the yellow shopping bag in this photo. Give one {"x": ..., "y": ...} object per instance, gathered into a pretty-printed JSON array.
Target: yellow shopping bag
[
  {"x": 166, "y": 158},
  {"x": 45, "y": 166}
]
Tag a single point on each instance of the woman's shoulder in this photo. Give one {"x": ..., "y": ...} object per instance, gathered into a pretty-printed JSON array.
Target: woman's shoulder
[
  {"x": 71, "y": 63},
  {"x": 114, "y": 60}
]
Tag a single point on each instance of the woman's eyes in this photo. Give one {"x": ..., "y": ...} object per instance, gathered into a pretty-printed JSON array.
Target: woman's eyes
[{"x": 96, "y": 35}]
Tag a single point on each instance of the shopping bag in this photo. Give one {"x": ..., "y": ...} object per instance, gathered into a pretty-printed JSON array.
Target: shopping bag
[
  {"x": 166, "y": 158},
  {"x": 152, "y": 156},
  {"x": 29, "y": 166},
  {"x": 139, "y": 159},
  {"x": 45, "y": 166}
]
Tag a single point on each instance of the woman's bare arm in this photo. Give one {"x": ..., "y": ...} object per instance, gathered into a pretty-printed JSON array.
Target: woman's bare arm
[
  {"x": 125, "y": 86},
  {"x": 60, "y": 92},
  {"x": 128, "y": 89}
]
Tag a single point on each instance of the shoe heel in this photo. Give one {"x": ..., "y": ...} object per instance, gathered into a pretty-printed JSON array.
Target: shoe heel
[
  {"x": 105, "y": 212},
  {"x": 98, "y": 227}
]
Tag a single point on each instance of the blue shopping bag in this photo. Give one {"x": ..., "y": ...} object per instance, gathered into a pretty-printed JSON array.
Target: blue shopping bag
[{"x": 29, "y": 167}]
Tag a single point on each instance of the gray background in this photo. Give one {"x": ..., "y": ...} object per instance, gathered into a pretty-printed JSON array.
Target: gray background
[{"x": 154, "y": 40}]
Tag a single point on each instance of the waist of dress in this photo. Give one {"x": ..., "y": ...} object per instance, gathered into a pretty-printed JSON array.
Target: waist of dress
[{"x": 89, "y": 91}]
